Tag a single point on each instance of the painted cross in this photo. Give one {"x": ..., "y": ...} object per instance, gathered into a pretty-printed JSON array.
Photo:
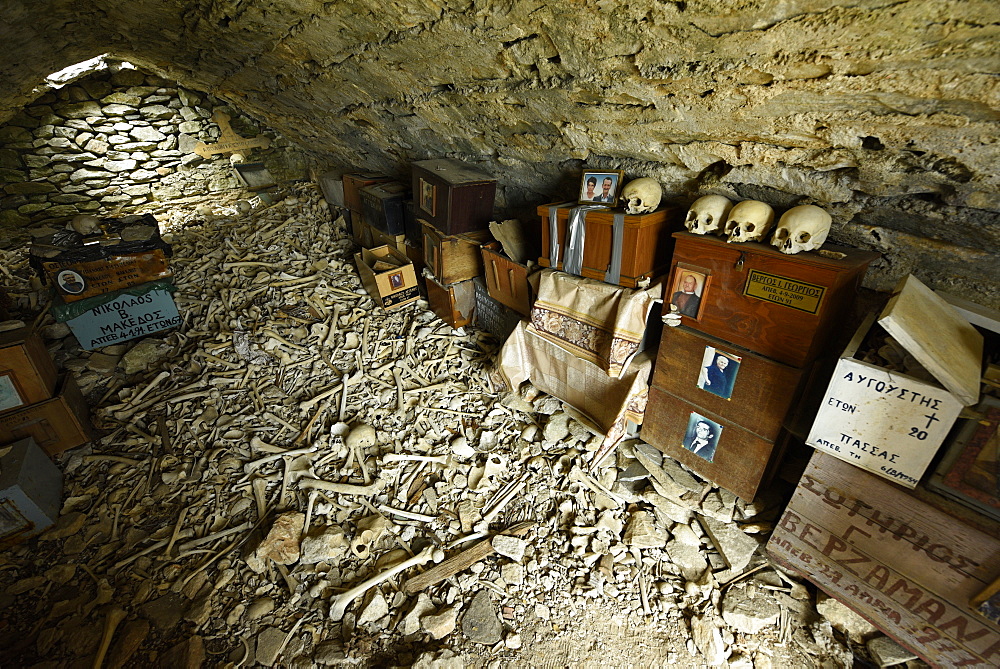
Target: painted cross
[{"x": 229, "y": 141}]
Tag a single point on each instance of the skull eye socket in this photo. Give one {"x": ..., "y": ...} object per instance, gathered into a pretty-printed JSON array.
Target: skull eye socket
[
  {"x": 803, "y": 237},
  {"x": 708, "y": 219},
  {"x": 692, "y": 216},
  {"x": 781, "y": 234},
  {"x": 749, "y": 227}
]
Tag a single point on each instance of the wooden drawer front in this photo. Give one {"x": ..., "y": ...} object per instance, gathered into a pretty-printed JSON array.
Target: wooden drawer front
[
  {"x": 27, "y": 372},
  {"x": 742, "y": 461},
  {"x": 453, "y": 303},
  {"x": 453, "y": 196},
  {"x": 383, "y": 206},
  {"x": 645, "y": 249},
  {"x": 760, "y": 391},
  {"x": 453, "y": 258},
  {"x": 907, "y": 560},
  {"x": 354, "y": 182},
  {"x": 506, "y": 280},
  {"x": 804, "y": 296},
  {"x": 56, "y": 424}
]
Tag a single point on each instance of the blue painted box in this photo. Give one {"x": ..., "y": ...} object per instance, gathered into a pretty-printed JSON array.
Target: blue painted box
[{"x": 30, "y": 491}]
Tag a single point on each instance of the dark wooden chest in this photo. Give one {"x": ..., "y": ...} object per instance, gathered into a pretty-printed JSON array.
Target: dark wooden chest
[
  {"x": 452, "y": 196},
  {"x": 384, "y": 204},
  {"x": 354, "y": 182},
  {"x": 453, "y": 258}
]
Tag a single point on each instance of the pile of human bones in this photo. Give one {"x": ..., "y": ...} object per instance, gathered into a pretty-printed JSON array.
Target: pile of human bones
[{"x": 297, "y": 477}]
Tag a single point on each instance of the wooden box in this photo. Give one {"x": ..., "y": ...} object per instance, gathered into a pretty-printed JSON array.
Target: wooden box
[
  {"x": 77, "y": 280},
  {"x": 747, "y": 389},
  {"x": 361, "y": 232},
  {"x": 354, "y": 182},
  {"x": 383, "y": 204},
  {"x": 388, "y": 276},
  {"x": 886, "y": 421},
  {"x": 506, "y": 280},
  {"x": 27, "y": 373},
  {"x": 454, "y": 303},
  {"x": 785, "y": 307},
  {"x": 907, "y": 560},
  {"x": 453, "y": 258},
  {"x": 733, "y": 457},
  {"x": 57, "y": 424},
  {"x": 452, "y": 196},
  {"x": 640, "y": 250}
]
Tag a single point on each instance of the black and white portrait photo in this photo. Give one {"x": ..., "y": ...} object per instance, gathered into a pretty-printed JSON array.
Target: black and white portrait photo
[
  {"x": 718, "y": 372},
  {"x": 702, "y": 436}
]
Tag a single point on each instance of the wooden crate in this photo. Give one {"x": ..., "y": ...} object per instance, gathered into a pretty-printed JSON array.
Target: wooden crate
[
  {"x": 757, "y": 392},
  {"x": 506, "y": 280},
  {"x": 78, "y": 280},
  {"x": 908, "y": 561},
  {"x": 354, "y": 182},
  {"x": 56, "y": 424},
  {"x": 452, "y": 196},
  {"x": 27, "y": 373},
  {"x": 740, "y": 461},
  {"x": 454, "y": 303},
  {"x": 785, "y": 307},
  {"x": 453, "y": 258},
  {"x": 383, "y": 204},
  {"x": 646, "y": 242}
]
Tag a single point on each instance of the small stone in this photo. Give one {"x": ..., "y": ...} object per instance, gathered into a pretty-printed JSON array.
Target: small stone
[
  {"x": 735, "y": 547},
  {"x": 268, "y": 645},
  {"x": 328, "y": 546},
  {"x": 844, "y": 619},
  {"x": 442, "y": 624},
  {"x": 188, "y": 654},
  {"x": 510, "y": 547},
  {"x": 708, "y": 639},
  {"x": 259, "y": 608},
  {"x": 376, "y": 609},
  {"x": 887, "y": 652},
  {"x": 102, "y": 363},
  {"x": 542, "y": 611},
  {"x": 512, "y": 573},
  {"x": 147, "y": 134},
  {"x": 688, "y": 559},
  {"x": 329, "y": 652},
  {"x": 411, "y": 622},
  {"x": 166, "y": 611},
  {"x": 513, "y": 641},
  {"x": 281, "y": 543},
  {"x": 480, "y": 623},
  {"x": 642, "y": 532},
  {"x": 747, "y": 613},
  {"x": 684, "y": 534}
]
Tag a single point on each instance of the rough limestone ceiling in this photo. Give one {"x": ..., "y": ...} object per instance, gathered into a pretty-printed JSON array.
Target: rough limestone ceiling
[{"x": 884, "y": 112}]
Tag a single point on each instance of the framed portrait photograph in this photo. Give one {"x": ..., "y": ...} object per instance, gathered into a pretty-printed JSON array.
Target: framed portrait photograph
[
  {"x": 428, "y": 197},
  {"x": 687, "y": 288},
  {"x": 718, "y": 372},
  {"x": 601, "y": 187},
  {"x": 396, "y": 280},
  {"x": 702, "y": 436}
]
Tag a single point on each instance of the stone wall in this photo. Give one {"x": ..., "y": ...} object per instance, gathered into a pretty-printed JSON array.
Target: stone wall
[
  {"x": 884, "y": 112},
  {"x": 119, "y": 141}
]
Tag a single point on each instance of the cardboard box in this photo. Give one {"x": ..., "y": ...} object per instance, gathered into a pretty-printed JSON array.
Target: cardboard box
[
  {"x": 908, "y": 561},
  {"x": 388, "y": 276},
  {"x": 27, "y": 373},
  {"x": 74, "y": 281},
  {"x": 30, "y": 492},
  {"x": 57, "y": 424},
  {"x": 125, "y": 316},
  {"x": 885, "y": 421}
]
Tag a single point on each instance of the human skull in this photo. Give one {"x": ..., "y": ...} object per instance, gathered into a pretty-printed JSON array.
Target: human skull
[
  {"x": 749, "y": 221},
  {"x": 708, "y": 215},
  {"x": 86, "y": 224},
  {"x": 642, "y": 196},
  {"x": 802, "y": 228}
]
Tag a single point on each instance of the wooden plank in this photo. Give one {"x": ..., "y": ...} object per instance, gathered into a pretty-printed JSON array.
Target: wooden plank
[
  {"x": 932, "y": 331},
  {"x": 908, "y": 561}
]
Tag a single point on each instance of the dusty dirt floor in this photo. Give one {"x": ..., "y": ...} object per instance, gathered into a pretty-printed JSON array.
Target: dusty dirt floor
[{"x": 208, "y": 522}]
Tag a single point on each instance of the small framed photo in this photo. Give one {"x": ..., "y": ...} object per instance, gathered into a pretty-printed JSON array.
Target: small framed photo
[
  {"x": 687, "y": 289},
  {"x": 601, "y": 187},
  {"x": 702, "y": 436},
  {"x": 9, "y": 395},
  {"x": 428, "y": 197},
  {"x": 718, "y": 372},
  {"x": 71, "y": 282},
  {"x": 396, "y": 280}
]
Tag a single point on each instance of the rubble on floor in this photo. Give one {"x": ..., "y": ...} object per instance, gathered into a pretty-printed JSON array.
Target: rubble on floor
[{"x": 296, "y": 477}]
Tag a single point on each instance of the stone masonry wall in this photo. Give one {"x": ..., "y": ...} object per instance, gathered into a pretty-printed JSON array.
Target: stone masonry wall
[
  {"x": 884, "y": 112},
  {"x": 114, "y": 142}
]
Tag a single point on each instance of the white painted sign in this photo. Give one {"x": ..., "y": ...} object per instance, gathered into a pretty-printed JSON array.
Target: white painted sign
[{"x": 885, "y": 422}]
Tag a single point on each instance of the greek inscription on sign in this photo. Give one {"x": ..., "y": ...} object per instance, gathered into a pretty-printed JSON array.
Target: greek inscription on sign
[{"x": 782, "y": 290}]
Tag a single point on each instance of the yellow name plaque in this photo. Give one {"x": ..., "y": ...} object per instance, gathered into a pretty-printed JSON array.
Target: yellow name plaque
[{"x": 781, "y": 290}]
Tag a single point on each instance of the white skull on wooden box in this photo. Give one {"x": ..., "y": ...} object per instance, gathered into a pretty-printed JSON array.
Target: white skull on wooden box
[
  {"x": 642, "y": 196},
  {"x": 749, "y": 221},
  {"x": 707, "y": 215},
  {"x": 802, "y": 228}
]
